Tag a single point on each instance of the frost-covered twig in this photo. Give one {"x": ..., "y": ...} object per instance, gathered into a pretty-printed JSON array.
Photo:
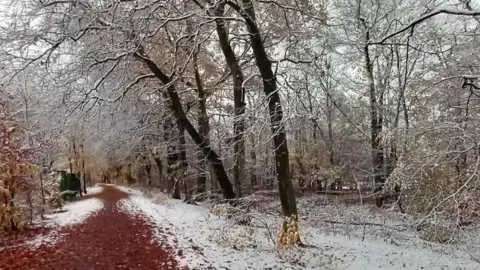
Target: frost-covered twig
[
  {"x": 423, "y": 18},
  {"x": 394, "y": 227},
  {"x": 265, "y": 224},
  {"x": 453, "y": 195}
]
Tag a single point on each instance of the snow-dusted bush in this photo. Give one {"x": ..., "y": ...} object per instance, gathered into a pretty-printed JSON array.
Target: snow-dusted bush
[
  {"x": 16, "y": 170},
  {"x": 438, "y": 185}
]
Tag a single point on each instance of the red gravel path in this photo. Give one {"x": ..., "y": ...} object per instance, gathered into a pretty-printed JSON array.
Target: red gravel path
[{"x": 111, "y": 239}]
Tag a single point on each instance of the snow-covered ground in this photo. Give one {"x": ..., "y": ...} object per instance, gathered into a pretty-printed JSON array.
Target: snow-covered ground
[
  {"x": 94, "y": 190},
  {"x": 332, "y": 231},
  {"x": 71, "y": 214}
]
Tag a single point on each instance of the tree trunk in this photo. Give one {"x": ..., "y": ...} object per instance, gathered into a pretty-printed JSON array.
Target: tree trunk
[
  {"x": 392, "y": 155},
  {"x": 183, "y": 166},
  {"x": 331, "y": 142},
  {"x": 148, "y": 170},
  {"x": 285, "y": 186},
  {"x": 42, "y": 192},
  {"x": 239, "y": 98},
  {"x": 172, "y": 156},
  {"x": 176, "y": 186},
  {"x": 310, "y": 109},
  {"x": 158, "y": 162},
  {"x": 30, "y": 202},
  {"x": 80, "y": 189},
  {"x": 203, "y": 128},
  {"x": 83, "y": 170},
  {"x": 253, "y": 164},
  {"x": 375, "y": 129},
  {"x": 212, "y": 157}
]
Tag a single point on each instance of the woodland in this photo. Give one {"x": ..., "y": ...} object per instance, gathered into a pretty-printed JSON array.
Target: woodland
[{"x": 369, "y": 102}]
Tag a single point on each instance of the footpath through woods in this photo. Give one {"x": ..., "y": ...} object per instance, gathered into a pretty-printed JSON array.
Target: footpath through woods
[{"x": 109, "y": 239}]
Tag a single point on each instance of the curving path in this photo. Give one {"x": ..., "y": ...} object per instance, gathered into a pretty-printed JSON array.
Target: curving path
[{"x": 110, "y": 239}]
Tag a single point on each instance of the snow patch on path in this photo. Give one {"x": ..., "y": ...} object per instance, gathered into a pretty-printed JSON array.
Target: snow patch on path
[
  {"x": 94, "y": 190},
  {"x": 49, "y": 239},
  {"x": 73, "y": 213}
]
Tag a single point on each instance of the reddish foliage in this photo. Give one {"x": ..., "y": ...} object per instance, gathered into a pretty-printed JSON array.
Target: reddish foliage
[{"x": 109, "y": 240}]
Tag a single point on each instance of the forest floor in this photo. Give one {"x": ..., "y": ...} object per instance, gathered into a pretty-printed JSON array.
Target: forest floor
[
  {"x": 92, "y": 233},
  {"x": 117, "y": 227},
  {"x": 339, "y": 236}
]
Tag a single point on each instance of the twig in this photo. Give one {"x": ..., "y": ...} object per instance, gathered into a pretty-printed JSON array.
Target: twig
[
  {"x": 367, "y": 223},
  {"x": 471, "y": 255},
  {"x": 363, "y": 234},
  {"x": 423, "y": 18},
  {"x": 267, "y": 227}
]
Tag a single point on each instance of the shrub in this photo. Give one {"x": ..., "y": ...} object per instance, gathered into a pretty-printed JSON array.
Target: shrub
[{"x": 15, "y": 169}]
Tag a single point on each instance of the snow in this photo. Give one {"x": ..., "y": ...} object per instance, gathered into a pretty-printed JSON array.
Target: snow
[
  {"x": 137, "y": 204},
  {"x": 73, "y": 213},
  {"x": 94, "y": 190},
  {"x": 208, "y": 240},
  {"x": 43, "y": 240},
  {"x": 47, "y": 239}
]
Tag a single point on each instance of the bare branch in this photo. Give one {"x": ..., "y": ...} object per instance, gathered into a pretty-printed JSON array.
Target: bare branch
[{"x": 423, "y": 18}]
